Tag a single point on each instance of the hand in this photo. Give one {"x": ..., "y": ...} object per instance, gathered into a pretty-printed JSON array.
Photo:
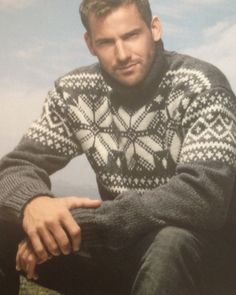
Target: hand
[
  {"x": 50, "y": 226},
  {"x": 26, "y": 259}
]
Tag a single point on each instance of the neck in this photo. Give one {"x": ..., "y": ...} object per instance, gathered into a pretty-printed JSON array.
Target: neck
[{"x": 138, "y": 95}]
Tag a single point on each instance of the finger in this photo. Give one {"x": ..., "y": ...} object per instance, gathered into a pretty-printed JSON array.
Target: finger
[
  {"x": 30, "y": 267},
  {"x": 23, "y": 258},
  {"x": 21, "y": 248},
  {"x": 73, "y": 230},
  {"x": 50, "y": 242},
  {"x": 88, "y": 203},
  {"x": 76, "y": 202},
  {"x": 38, "y": 246},
  {"x": 61, "y": 238}
]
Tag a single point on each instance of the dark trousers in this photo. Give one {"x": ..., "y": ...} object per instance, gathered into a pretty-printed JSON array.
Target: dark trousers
[{"x": 171, "y": 261}]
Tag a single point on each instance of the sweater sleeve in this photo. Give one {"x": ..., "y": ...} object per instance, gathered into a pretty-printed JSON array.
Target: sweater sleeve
[
  {"x": 48, "y": 146},
  {"x": 196, "y": 197}
]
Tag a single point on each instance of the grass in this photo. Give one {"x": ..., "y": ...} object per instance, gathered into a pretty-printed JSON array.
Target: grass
[{"x": 30, "y": 288}]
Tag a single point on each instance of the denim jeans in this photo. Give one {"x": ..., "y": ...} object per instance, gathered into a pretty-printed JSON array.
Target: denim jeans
[{"x": 170, "y": 261}]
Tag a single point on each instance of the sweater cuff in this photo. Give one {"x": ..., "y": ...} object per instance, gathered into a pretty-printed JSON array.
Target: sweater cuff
[
  {"x": 115, "y": 224},
  {"x": 90, "y": 234},
  {"x": 25, "y": 194}
]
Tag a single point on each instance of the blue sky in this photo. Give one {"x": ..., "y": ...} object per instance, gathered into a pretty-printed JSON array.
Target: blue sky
[{"x": 43, "y": 39}]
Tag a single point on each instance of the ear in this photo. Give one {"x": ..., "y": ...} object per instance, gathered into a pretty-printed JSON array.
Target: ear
[
  {"x": 89, "y": 43},
  {"x": 156, "y": 28}
]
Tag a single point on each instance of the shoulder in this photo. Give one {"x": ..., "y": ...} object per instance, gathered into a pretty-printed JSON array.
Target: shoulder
[
  {"x": 82, "y": 78},
  {"x": 193, "y": 87},
  {"x": 197, "y": 71}
]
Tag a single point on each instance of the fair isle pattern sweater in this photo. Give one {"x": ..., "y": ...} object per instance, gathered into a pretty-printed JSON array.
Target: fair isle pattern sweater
[{"x": 169, "y": 161}]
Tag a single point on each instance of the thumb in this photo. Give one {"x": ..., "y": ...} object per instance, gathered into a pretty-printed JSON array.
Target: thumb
[{"x": 77, "y": 202}]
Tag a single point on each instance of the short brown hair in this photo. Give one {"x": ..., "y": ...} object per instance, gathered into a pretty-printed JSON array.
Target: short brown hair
[{"x": 103, "y": 7}]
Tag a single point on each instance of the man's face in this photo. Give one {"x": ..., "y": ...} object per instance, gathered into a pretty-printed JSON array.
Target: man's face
[{"x": 123, "y": 43}]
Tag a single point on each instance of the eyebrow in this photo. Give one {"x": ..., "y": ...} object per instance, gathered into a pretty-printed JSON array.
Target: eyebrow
[
  {"x": 134, "y": 31},
  {"x": 125, "y": 35}
]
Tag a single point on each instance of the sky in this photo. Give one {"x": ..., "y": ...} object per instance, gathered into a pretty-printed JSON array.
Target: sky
[{"x": 43, "y": 39}]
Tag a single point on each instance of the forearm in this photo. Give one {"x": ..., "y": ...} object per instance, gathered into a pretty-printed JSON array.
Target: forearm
[
  {"x": 24, "y": 174},
  {"x": 46, "y": 147},
  {"x": 197, "y": 198}
]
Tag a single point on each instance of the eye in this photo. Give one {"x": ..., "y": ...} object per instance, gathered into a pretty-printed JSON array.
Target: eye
[
  {"x": 104, "y": 42},
  {"x": 132, "y": 35}
]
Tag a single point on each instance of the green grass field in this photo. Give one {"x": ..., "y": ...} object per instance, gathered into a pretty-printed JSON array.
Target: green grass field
[{"x": 29, "y": 288}]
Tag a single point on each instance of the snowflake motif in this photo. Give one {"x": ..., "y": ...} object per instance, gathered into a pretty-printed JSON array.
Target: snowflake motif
[
  {"x": 133, "y": 149},
  {"x": 135, "y": 138},
  {"x": 96, "y": 127}
]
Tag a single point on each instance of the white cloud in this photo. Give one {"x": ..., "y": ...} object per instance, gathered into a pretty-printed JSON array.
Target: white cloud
[
  {"x": 173, "y": 10},
  {"x": 176, "y": 9},
  {"x": 201, "y": 2},
  {"x": 20, "y": 105},
  {"x": 30, "y": 53},
  {"x": 14, "y": 4},
  {"x": 171, "y": 29},
  {"x": 218, "y": 47},
  {"x": 40, "y": 61},
  {"x": 216, "y": 30}
]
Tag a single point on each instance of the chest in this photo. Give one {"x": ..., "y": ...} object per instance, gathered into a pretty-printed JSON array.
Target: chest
[{"x": 143, "y": 139}]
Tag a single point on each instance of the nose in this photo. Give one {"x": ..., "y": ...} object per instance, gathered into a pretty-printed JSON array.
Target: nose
[{"x": 122, "y": 52}]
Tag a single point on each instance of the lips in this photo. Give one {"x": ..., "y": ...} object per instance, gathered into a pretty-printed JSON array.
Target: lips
[{"x": 127, "y": 67}]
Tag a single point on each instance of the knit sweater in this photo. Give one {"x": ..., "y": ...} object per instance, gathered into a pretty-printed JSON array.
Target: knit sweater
[{"x": 164, "y": 152}]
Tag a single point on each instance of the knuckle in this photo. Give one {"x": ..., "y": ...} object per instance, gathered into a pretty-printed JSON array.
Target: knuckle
[
  {"x": 38, "y": 228},
  {"x": 53, "y": 249},
  {"x": 30, "y": 259},
  {"x": 61, "y": 213},
  {"x": 75, "y": 232},
  {"x": 40, "y": 252},
  {"x": 49, "y": 222},
  {"x": 32, "y": 232},
  {"x": 65, "y": 245}
]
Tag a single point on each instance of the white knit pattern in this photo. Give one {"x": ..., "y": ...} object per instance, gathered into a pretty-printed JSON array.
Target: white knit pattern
[{"x": 139, "y": 150}]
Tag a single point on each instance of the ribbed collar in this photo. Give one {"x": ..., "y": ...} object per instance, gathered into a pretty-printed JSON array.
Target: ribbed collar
[{"x": 136, "y": 96}]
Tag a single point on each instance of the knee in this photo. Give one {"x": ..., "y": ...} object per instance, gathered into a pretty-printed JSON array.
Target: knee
[
  {"x": 177, "y": 235},
  {"x": 171, "y": 264},
  {"x": 178, "y": 243}
]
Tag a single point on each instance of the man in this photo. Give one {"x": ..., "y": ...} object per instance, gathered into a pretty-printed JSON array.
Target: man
[{"x": 158, "y": 129}]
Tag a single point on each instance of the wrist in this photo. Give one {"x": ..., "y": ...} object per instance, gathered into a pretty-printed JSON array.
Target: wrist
[{"x": 33, "y": 200}]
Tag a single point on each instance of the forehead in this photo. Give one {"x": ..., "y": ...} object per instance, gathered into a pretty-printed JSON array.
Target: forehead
[{"x": 123, "y": 18}]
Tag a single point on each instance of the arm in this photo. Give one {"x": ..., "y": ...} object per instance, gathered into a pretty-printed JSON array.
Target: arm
[
  {"x": 47, "y": 147},
  {"x": 25, "y": 185},
  {"x": 197, "y": 197}
]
